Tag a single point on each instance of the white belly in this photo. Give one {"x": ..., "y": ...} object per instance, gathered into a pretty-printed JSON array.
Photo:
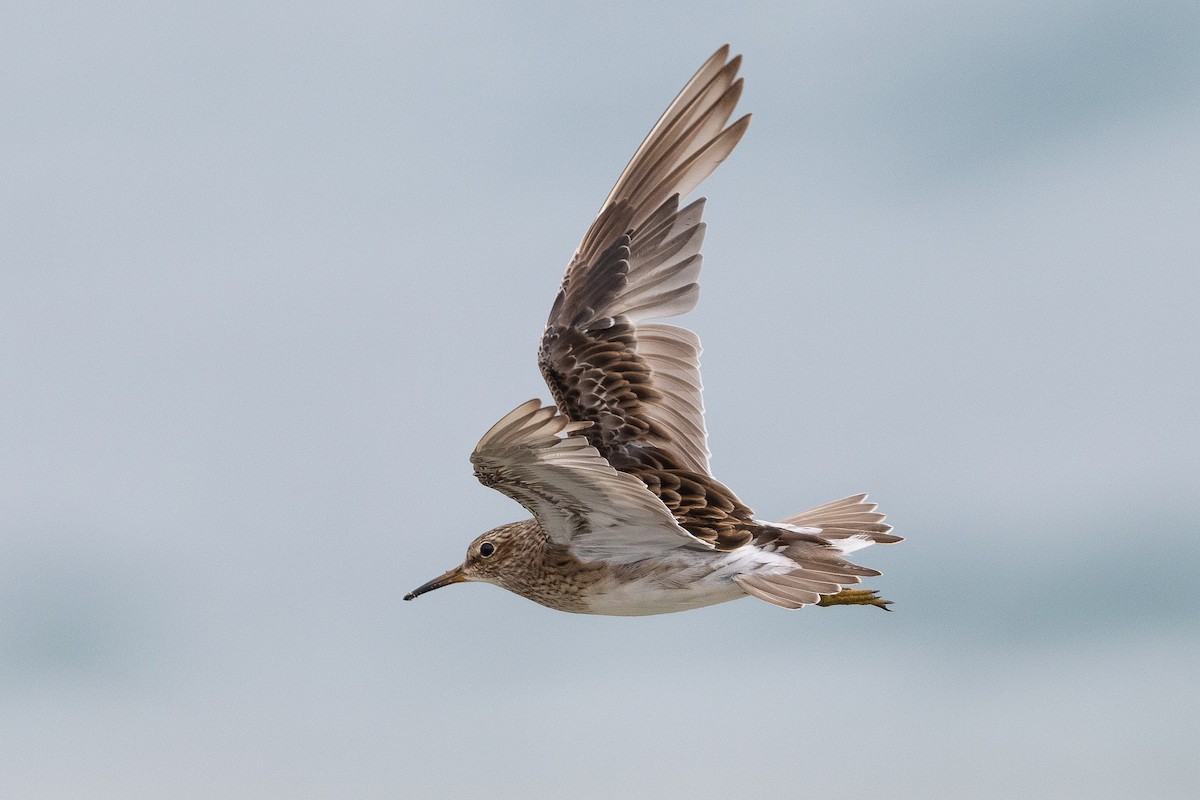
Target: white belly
[{"x": 683, "y": 580}]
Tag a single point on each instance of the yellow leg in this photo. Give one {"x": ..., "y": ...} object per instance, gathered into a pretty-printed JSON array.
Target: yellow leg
[{"x": 855, "y": 597}]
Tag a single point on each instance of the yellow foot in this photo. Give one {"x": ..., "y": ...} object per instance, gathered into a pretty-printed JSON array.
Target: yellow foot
[{"x": 855, "y": 597}]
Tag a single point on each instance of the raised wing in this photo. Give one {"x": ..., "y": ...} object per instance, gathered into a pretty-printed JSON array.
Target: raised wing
[
  {"x": 638, "y": 383},
  {"x": 576, "y": 496}
]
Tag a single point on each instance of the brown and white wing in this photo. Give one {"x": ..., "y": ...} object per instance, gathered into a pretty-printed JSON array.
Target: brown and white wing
[
  {"x": 576, "y": 496},
  {"x": 639, "y": 383}
]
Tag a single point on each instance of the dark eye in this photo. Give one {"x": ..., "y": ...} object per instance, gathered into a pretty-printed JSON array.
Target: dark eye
[{"x": 486, "y": 549}]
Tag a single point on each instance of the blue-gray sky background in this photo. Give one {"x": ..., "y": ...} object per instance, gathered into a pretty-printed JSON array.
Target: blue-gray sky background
[{"x": 267, "y": 272}]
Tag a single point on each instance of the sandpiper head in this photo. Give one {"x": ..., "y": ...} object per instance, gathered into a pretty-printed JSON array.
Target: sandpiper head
[{"x": 489, "y": 559}]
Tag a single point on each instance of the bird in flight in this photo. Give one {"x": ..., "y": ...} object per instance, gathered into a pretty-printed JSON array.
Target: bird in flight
[{"x": 627, "y": 517}]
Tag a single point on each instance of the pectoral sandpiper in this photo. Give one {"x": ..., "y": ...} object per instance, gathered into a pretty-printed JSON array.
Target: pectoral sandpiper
[{"x": 627, "y": 518}]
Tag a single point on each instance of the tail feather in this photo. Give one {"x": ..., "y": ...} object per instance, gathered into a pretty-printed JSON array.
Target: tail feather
[
  {"x": 804, "y": 580},
  {"x": 816, "y": 540},
  {"x": 842, "y": 519},
  {"x": 776, "y": 592}
]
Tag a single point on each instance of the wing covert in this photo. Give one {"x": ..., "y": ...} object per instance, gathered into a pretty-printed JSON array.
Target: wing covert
[
  {"x": 639, "y": 383},
  {"x": 577, "y": 497}
]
